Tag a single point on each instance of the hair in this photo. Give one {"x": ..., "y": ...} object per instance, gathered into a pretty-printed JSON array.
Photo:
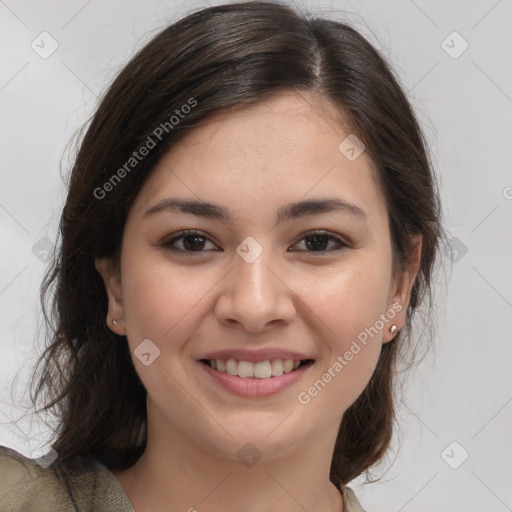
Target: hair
[{"x": 219, "y": 59}]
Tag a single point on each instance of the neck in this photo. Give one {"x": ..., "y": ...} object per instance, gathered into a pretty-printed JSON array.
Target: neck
[{"x": 176, "y": 473}]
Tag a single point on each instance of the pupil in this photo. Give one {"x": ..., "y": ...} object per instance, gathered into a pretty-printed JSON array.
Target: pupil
[
  {"x": 317, "y": 245},
  {"x": 193, "y": 245}
]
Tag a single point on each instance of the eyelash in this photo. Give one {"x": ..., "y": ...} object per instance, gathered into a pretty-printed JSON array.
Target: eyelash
[{"x": 169, "y": 243}]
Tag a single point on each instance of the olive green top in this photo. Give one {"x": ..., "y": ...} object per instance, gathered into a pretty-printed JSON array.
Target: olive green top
[{"x": 27, "y": 486}]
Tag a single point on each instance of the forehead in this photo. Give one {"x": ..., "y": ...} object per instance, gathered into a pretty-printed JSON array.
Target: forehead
[{"x": 280, "y": 150}]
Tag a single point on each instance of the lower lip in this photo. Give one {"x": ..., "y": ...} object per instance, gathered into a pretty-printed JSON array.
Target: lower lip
[{"x": 255, "y": 387}]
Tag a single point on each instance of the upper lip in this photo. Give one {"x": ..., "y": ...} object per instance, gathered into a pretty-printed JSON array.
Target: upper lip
[{"x": 255, "y": 356}]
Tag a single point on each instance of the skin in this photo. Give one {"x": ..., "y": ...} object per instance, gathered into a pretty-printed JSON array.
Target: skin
[{"x": 252, "y": 161}]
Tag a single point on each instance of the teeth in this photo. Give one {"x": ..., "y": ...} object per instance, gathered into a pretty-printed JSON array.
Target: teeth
[
  {"x": 260, "y": 370},
  {"x": 288, "y": 366},
  {"x": 231, "y": 367},
  {"x": 246, "y": 369},
  {"x": 277, "y": 367}
]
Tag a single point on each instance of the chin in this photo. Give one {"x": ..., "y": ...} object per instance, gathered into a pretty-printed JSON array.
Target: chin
[{"x": 270, "y": 440}]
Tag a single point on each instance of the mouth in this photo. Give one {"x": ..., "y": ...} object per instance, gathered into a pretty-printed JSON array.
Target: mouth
[{"x": 261, "y": 370}]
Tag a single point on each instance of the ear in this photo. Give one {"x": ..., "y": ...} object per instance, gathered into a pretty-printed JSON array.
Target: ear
[
  {"x": 401, "y": 294},
  {"x": 112, "y": 279}
]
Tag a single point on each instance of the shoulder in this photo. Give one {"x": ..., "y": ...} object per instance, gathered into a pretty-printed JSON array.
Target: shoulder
[
  {"x": 24, "y": 482},
  {"x": 34, "y": 485},
  {"x": 351, "y": 502}
]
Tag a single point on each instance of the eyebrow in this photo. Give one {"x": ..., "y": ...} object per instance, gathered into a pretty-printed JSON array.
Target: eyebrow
[{"x": 290, "y": 211}]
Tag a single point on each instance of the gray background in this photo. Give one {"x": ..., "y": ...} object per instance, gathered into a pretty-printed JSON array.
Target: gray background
[{"x": 463, "y": 394}]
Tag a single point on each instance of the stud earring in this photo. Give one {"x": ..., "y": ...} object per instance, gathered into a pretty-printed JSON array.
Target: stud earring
[
  {"x": 393, "y": 329},
  {"x": 114, "y": 321}
]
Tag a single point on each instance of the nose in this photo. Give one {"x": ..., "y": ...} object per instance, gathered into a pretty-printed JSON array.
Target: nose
[{"x": 255, "y": 296}]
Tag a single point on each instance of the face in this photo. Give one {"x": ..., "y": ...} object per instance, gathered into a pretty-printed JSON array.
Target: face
[{"x": 301, "y": 297}]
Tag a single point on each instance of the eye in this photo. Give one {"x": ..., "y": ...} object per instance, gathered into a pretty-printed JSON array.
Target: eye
[
  {"x": 317, "y": 242},
  {"x": 191, "y": 241}
]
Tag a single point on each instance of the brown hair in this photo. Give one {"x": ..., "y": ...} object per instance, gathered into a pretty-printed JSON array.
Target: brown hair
[{"x": 222, "y": 58}]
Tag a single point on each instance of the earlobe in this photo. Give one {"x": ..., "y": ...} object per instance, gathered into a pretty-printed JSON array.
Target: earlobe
[
  {"x": 393, "y": 326},
  {"x": 111, "y": 280}
]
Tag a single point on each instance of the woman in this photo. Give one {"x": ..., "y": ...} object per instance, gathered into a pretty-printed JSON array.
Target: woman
[{"x": 251, "y": 223}]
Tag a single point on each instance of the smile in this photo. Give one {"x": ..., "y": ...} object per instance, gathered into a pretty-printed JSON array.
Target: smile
[
  {"x": 256, "y": 379},
  {"x": 256, "y": 370}
]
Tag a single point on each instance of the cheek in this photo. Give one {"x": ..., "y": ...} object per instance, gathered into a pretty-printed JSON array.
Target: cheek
[
  {"x": 348, "y": 307},
  {"x": 161, "y": 301},
  {"x": 346, "y": 301}
]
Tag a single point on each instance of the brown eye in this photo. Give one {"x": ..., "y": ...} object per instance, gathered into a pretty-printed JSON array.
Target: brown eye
[
  {"x": 193, "y": 242},
  {"x": 318, "y": 242},
  {"x": 190, "y": 241}
]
